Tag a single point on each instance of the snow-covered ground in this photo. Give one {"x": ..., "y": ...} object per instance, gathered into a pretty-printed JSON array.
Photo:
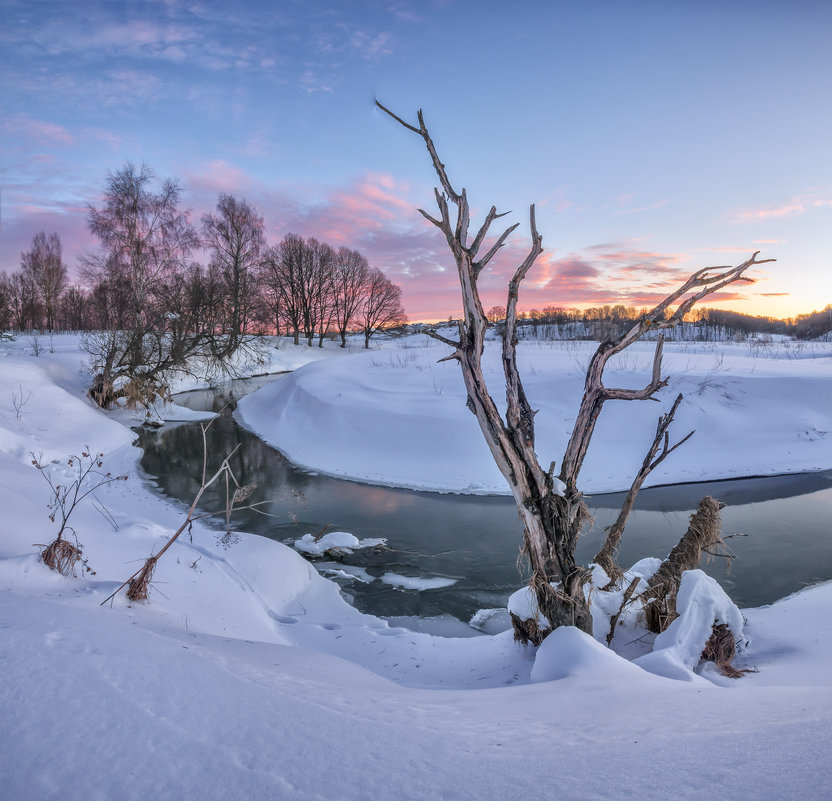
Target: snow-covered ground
[
  {"x": 247, "y": 676},
  {"x": 398, "y": 417}
]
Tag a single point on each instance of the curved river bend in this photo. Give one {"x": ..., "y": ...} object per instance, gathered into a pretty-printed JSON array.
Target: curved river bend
[{"x": 779, "y": 527}]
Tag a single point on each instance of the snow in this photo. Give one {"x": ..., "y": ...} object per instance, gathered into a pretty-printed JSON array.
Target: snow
[
  {"x": 397, "y": 417},
  {"x": 701, "y": 602},
  {"x": 569, "y": 653},
  {"x": 338, "y": 540},
  {"x": 417, "y": 583},
  {"x": 523, "y": 604},
  {"x": 248, "y": 676}
]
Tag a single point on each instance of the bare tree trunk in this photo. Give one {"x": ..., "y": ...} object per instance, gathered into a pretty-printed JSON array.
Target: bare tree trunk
[{"x": 704, "y": 532}]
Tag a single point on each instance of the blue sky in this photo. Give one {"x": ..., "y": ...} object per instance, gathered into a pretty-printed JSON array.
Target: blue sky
[{"x": 654, "y": 137}]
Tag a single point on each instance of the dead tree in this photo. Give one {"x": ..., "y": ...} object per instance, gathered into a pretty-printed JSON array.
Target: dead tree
[{"x": 551, "y": 509}]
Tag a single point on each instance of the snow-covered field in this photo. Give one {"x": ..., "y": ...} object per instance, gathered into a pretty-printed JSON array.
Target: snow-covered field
[
  {"x": 398, "y": 417},
  {"x": 248, "y": 677}
]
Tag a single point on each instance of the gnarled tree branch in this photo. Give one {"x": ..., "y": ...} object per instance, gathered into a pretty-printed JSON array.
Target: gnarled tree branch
[{"x": 606, "y": 556}]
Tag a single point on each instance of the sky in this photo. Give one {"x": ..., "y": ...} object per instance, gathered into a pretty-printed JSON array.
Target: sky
[{"x": 655, "y": 138}]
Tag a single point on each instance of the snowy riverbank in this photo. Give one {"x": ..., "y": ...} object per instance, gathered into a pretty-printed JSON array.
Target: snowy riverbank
[
  {"x": 247, "y": 676},
  {"x": 397, "y": 417}
]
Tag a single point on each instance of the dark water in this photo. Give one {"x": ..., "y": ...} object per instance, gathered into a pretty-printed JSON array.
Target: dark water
[{"x": 475, "y": 539}]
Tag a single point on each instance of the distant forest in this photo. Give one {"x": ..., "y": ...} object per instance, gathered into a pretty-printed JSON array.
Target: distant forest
[{"x": 556, "y": 322}]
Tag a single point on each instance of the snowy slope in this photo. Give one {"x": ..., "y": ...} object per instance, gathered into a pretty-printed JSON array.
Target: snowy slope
[
  {"x": 247, "y": 676},
  {"x": 398, "y": 417}
]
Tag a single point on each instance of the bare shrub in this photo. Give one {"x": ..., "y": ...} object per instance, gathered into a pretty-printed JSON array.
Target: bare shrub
[
  {"x": 86, "y": 477},
  {"x": 19, "y": 402}
]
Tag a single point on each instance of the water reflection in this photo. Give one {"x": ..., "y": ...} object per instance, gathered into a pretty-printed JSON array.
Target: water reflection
[{"x": 475, "y": 539}]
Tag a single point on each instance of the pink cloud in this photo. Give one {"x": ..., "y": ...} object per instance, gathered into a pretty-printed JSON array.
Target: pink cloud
[
  {"x": 794, "y": 207},
  {"x": 38, "y": 130}
]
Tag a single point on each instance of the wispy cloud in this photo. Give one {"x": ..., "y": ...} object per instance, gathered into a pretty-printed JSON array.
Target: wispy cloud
[
  {"x": 311, "y": 81},
  {"x": 794, "y": 207},
  {"x": 371, "y": 46},
  {"x": 40, "y": 131},
  {"x": 638, "y": 209}
]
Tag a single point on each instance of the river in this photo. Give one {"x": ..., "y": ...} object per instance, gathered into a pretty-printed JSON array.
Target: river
[{"x": 778, "y": 528}]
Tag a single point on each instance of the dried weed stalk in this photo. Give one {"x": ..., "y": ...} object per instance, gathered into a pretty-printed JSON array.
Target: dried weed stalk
[
  {"x": 138, "y": 584},
  {"x": 88, "y": 476}
]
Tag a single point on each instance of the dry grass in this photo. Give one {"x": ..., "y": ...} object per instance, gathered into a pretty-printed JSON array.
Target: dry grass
[
  {"x": 721, "y": 649},
  {"x": 527, "y": 631},
  {"x": 139, "y": 584},
  {"x": 62, "y": 555}
]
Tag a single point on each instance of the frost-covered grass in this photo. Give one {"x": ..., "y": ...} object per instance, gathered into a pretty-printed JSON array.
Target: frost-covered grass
[{"x": 248, "y": 676}]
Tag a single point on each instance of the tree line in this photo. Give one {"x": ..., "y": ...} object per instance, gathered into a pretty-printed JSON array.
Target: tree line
[
  {"x": 150, "y": 307},
  {"x": 600, "y": 322}
]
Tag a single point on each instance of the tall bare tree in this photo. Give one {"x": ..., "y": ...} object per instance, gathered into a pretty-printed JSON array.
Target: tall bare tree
[
  {"x": 382, "y": 305},
  {"x": 74, "y": 309},
  {"x": 298, "y": 274},
  {"x": 144, "y": 235},
  {"x": 24, "y": 303},
  {"x": 351, "y": 276},
  {"x": 48, "y": 274},
  {"x": 320, "y": 290},
  {"x": 284, "y": 268},
  {"x": 234, "y": 237},
  {"x": 552, "y": 509}
]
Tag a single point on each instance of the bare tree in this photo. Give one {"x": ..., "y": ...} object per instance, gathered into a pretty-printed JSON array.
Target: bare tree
[
  {"x": 74, "y": 309},
  {"x": 382, "y": 306},
  {"x": 143, "y": 233},
  {"x": 320, "y": 290},
  {"x": 298, "y": 273},
  {"x": 284, "y": 267},
  {"x": 495, "y": 314},
  {"x": 48, "y": 273},
  {"x": 234, "y": 237},
  {"x": 22, "y": 298},
  {"x": 6, "y": 301},
  {"x": 552, "y": 509},
  {"x": 351, "y": 275}
]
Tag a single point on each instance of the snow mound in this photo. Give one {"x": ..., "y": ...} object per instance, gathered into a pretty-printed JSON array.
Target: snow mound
[
  {"x": 568, "y": 651},
  {"x": 341, "y": 540},
  {"x": 701, "y": 603},
  {"x": 523, "y": 605},
  {"x": 416, "y": 583}
]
